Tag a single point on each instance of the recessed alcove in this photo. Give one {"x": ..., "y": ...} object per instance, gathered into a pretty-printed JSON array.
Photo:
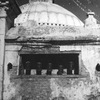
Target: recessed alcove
[{"x": 63, "y": 59}]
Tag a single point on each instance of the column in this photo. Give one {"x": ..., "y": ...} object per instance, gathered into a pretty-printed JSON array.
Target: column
[{"x": 2, "y": 44}]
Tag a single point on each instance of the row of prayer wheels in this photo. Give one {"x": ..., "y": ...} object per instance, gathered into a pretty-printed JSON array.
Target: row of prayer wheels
[{"x": 49, "y": 69}]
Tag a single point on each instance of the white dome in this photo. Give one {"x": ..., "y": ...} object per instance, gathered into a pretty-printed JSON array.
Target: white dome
[{"x": 47, "y": 13}]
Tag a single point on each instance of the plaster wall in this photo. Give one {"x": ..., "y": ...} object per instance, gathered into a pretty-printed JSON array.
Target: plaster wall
[{"x": 59, "y": 87}]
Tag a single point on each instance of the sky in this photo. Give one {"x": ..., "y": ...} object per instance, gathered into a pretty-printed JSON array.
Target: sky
[{"x": 77, "y": 7}]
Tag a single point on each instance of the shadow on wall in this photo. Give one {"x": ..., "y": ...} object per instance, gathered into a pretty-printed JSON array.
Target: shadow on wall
[
  {"x": 92, "y": 97},
  {"x": 60, "y": 98},
  {"x": 84, "y": 70}
]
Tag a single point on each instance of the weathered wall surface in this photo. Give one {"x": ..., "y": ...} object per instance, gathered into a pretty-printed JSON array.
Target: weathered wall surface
[
  {"x": 43, "y": 88},
  {"x": 31, "y": 29}
]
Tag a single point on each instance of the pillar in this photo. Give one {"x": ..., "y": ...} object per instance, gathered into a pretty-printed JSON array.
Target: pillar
[{"x": 2, "y": 44}]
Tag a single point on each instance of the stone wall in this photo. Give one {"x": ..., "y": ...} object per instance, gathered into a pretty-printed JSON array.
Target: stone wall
[{"x": 24, "y": 87}]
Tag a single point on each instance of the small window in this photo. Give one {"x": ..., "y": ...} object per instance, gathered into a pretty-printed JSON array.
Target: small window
[
  {"x": 47, "y": 23},
  {"x": 51, "y": 23},
  {"x": 59, "y": 24},
  {"x": 39, "y": 23},
  {"x": 19, "y": 24}
]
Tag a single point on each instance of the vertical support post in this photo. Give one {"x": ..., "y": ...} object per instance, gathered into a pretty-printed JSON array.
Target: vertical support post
[{"x": 2, "y": 46}]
